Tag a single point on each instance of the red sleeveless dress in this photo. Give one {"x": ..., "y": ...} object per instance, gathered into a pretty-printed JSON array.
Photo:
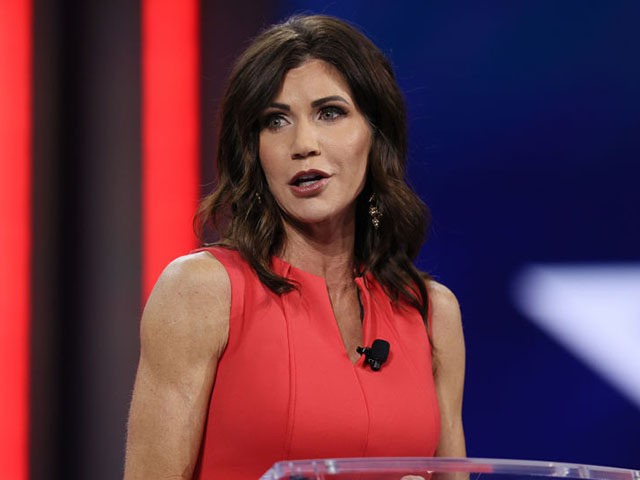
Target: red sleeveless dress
[{"x": 286, "y": 389}]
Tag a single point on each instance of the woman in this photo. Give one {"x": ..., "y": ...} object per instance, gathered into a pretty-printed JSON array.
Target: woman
[{"x": 249, "y": 347}]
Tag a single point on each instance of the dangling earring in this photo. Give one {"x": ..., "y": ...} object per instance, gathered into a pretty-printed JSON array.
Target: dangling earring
[
  {"x": 258, "y": 198},
  {"x": 374, "y": 211}
]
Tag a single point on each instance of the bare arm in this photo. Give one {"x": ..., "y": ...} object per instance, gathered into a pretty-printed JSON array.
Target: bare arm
[
  {"x": 449, "y": 363},
  {"x": 183, "y": 332}
]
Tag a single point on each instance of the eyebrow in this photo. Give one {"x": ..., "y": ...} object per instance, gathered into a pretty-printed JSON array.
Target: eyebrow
[
  {"x": 314, "y": 104},
  {"x": 332, "y": 98}
]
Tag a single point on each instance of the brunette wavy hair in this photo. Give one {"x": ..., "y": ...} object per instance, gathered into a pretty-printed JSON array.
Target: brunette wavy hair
[{"x": 242, "y": 210}]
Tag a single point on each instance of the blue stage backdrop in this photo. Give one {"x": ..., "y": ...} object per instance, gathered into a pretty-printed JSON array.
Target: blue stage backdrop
[{"x": 525, "y": 142}]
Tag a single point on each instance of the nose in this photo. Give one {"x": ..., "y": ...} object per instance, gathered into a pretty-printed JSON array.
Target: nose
[{"x": 305, "y": 141}]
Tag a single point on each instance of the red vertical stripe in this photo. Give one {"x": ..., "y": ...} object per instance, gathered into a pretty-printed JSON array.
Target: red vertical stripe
[
  {"x": 170, "y": 118},
  {"x": 15, "y": 241}
]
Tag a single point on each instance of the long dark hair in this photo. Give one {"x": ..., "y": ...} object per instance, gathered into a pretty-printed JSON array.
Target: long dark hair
[{"x": 241, "y": 207}]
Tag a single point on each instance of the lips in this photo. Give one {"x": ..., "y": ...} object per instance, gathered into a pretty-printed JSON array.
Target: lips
[
  {"x": 308, "y": 182},
  {"x": 307, "y": 177}
]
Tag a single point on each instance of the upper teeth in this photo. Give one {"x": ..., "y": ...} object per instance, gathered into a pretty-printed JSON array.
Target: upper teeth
[{"x": 307, "y": 178}]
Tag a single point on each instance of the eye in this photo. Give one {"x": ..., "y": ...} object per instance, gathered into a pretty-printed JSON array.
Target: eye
[
  {"x": 274, "y": 121},
  {"x": 331, "y": 112}
]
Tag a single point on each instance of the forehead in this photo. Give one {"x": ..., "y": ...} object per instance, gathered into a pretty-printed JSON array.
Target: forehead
[{"x": 313, "y": 79}]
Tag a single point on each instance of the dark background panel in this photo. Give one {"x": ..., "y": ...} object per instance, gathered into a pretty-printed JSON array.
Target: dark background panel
[{"x": 86, "y": 267}]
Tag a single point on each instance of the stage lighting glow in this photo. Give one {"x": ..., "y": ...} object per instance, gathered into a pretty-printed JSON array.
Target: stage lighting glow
[{"x": 592, "y": 310}]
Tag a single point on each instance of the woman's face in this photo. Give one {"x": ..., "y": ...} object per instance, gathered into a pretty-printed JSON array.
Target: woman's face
[{"x": 314, "y": 144}]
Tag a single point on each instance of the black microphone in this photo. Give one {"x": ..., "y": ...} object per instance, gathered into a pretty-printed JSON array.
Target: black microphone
[{"x": 375, "y": 355}]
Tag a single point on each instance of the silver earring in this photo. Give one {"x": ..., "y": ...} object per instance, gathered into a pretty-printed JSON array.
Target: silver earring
[{"x": 374, "y": 211}]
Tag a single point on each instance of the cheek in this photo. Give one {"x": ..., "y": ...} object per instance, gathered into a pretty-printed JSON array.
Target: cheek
[
  {"x": 360, "y": 148},
  {"x": 266, "y": 157},
  {"x": 361, "y": 139},
  {"x": 263, "y": 151}
]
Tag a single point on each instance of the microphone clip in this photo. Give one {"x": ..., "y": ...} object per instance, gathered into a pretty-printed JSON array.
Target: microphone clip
[{"x": 375, "y": 355}]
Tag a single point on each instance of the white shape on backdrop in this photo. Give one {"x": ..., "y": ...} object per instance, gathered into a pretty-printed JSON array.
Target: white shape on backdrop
[{"x": 591, "y": 309}]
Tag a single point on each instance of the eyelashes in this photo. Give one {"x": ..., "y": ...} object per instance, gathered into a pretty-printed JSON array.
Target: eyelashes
[
  {"x": 276, "y": 120},
  {"x": 273, "y": 121},
  {"x": 331, "y": 112}
]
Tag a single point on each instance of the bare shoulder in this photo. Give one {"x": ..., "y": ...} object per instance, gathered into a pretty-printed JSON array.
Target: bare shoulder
[
  {"x": 446, "y": 309},
  {"x": 189, "y": 303},
  {"x": 449, "y": 367},
  {"x": 446, "y": 329},
  {"x": 196, "y": 276},
  {"x": 183, "y": 333}
]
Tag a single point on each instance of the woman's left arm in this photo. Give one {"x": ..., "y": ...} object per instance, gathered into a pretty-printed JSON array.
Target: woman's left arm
[{"x": 449, "y": 366}]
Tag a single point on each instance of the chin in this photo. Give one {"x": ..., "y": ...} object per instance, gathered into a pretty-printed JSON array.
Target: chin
[
  {"x": 318, "y": 214},
  {"x": 317, "y": 218},
  {"x": 311, "y": 219}
]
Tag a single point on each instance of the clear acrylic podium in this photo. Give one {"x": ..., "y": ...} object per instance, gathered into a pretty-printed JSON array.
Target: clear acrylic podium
[{"x": 440, "y": 469}]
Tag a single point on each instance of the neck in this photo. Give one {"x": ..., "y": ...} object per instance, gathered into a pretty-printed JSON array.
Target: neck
[{"x": 325, "y": 252}]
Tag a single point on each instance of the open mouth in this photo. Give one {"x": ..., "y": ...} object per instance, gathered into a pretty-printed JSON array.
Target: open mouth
[{"x": 304, "y": 179}]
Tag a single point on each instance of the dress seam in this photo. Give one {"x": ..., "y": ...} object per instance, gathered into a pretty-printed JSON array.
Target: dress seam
[
  {"x": 366, "y": 406},
  {"x": 291, "y": 410}
]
